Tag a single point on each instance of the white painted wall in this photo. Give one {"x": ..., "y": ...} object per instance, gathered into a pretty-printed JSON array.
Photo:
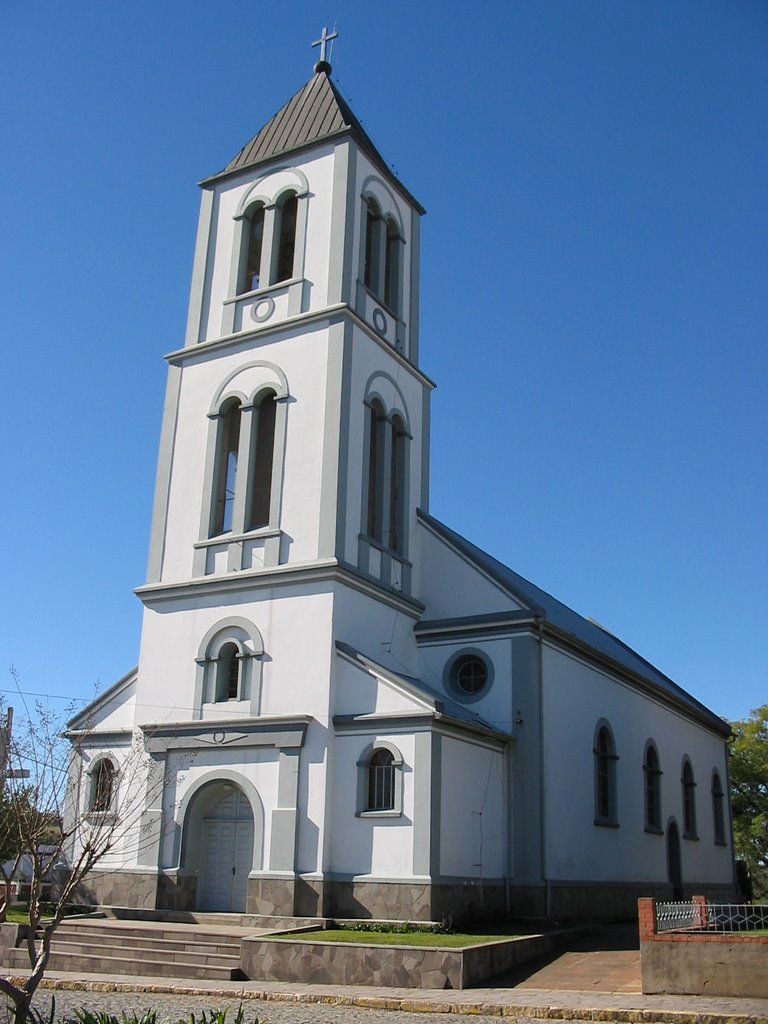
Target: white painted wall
[
  {"x": 450, "y": 586},
  {"x": 575, "y": 697},
  {"x": 473, "y": 819},
  {"x": 495, "y": 706},
  {"x": 303, "y": 361},
  {"x": 377, "y": 847}
]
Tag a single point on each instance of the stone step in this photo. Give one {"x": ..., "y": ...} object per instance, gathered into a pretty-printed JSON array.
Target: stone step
[
  {"x": 168, "y": 955},
  {"x": 119, "y": 933},
  {"x": 212, "y": 919},
  {"x": 220, "y": 944},
  {"x": 101, "y": 964}
]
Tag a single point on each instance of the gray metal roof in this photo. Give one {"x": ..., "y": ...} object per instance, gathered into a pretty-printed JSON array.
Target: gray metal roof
[
  {"x": 563, "y": 620},
  {"x": 318, "y": 111}
]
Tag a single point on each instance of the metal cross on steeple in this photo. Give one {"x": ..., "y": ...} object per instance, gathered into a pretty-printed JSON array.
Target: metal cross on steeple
[{"x": 322, "y": 64}]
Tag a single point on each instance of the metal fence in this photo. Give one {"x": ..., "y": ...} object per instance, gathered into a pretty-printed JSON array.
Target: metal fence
[
  {"x": 677, "y": 916},
  {"x": 711, "y": 917},
  {"x": 736, "y": 917}
]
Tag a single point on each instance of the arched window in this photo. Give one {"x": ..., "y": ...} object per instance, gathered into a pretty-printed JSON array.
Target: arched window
[
  {"x": 689, "y": 800},
  {"x": 262, "y": 450},
  {"x": 381, "y": 781},
  {"x": 229, "y": 666},
  {"x": 228, "y": 672},
  {"x": 373, "y": 227},
  {"x": 718, "y": 811},
  {"x": 376, "y": 472},
  {"x": 252, "y": 267},
  {"x": 285, "y": 234},
  {"x": 392, "y": 266},
  {"x": 605, "y": 777},
  {"x": 225, "y": 472},
  {"x": 102, "y": 786},
  {"x": 652, "y": 778},
  {"x": 397, "y": 484}
]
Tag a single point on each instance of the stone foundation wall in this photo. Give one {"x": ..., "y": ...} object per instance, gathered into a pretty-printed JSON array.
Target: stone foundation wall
[
  {"x": 614, "y": 902},
  {"x": 118, "y": 889},
  {"x": 272, "y": 897},
  {"x": 177, "y": 892},
  {"x": 344, "y": 963}
]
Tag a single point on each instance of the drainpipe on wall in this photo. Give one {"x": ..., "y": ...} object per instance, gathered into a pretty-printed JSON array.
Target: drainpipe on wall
[
  {"x": 734, "y": 876},
  {"x": 542, "y": 822}
]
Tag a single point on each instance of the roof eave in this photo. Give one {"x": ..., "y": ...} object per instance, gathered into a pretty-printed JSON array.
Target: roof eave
[{"x": 349, "y": 131}]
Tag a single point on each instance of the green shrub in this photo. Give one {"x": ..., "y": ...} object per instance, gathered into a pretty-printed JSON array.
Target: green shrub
[{"x": 84, "y": 1016}]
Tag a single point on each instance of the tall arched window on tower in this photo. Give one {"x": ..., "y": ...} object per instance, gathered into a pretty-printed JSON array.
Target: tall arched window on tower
[
  {"x": 392, "y": 266},
  {"x": 225, "y": 472},
  {"x": 285, "y": 235},
  {"x": 252, "y": 265},
  {"x": 262, "y": 449},
  {"x": 373, "y": 226},
  {"x": 376, "y": 471},
  {"x": 228, "y": 673},
  {"x": 397, "y": 484}
]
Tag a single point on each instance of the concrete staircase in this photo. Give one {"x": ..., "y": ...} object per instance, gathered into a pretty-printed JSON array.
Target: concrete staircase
[{"x": 159, "y": 949}]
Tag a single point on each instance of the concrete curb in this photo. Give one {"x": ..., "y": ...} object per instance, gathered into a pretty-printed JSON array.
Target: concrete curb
[{"x": 437, "y": 1003}]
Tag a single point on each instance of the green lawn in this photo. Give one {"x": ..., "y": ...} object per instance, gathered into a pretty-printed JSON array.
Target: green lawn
[
  {"x": 16, "y": 916},
  {"x": 450, "y": 941}
]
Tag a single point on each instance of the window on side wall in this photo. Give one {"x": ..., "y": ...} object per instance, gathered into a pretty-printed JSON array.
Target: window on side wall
[
  {"x": 102, "y": 787},
  {"x": 718, "y": 809},
  {"x": 605, "y": 756},
  {"x": 688, "y": 784},
  {"x": 380, "y": 781},
  {"x": 652, "y": 779}
]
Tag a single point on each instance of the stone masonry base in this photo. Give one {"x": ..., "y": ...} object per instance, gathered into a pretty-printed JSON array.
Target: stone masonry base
[{"x": 458, "y": 903}]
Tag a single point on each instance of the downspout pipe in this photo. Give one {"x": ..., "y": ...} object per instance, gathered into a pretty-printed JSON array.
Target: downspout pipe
[{"x": 542, "y": 820}]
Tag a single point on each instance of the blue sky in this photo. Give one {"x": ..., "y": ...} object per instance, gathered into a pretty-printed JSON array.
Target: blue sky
[{"x": 594, "y": 296}]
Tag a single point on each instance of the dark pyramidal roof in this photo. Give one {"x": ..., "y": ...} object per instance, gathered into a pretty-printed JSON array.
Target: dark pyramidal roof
[{"x": 316, "y": 112}]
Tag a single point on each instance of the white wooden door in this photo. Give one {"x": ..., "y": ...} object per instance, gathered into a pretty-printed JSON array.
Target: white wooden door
[{"x": 226, "y": 855}]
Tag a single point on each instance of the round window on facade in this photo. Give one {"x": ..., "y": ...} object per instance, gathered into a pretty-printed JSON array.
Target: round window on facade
[{"x": 469, "y": 675}]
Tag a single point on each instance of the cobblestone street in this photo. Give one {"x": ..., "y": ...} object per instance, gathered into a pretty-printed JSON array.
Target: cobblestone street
[{"x": 173, "y": 1008}]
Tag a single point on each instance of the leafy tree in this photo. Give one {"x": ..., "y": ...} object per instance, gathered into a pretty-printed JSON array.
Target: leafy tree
[{"x": 749, "y": 795}]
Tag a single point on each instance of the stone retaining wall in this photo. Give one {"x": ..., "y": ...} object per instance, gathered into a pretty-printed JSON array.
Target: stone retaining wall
[{"x": 402, "y": 966}]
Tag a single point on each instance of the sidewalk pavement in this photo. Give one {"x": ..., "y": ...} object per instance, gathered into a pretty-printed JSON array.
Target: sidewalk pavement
[{"x": 518, "y": 1001}]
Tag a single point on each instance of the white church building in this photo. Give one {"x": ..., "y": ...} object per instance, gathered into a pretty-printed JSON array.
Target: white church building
[{"x": 348, "y": 709}]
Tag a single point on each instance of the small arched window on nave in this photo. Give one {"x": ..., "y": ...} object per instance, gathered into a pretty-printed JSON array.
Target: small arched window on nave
[{"x": 102, "y": 786}]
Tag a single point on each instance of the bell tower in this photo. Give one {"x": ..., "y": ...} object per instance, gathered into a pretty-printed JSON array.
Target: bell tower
[{"x": 295, "y": 427}]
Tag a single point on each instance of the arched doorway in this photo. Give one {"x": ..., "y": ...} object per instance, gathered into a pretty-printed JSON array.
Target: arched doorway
[
  {"x": 674, "y": 862},
  {"x": 221, "y": 826}
]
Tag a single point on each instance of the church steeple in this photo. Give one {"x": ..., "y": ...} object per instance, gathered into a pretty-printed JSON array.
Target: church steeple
[
  {"x": 300, "y": 434},
  {"x": 316, "y": 113}
]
